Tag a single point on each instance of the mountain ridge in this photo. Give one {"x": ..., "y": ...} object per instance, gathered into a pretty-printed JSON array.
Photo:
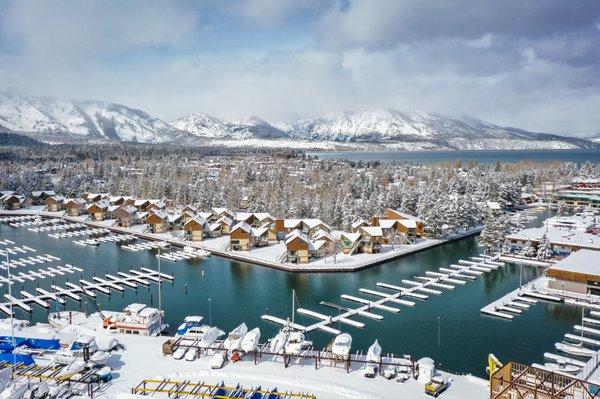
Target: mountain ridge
[{"x": 57, "y": 119}]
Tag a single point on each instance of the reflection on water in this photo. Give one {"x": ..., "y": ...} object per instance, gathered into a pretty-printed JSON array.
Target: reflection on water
[{"x": 242, "y": 292}]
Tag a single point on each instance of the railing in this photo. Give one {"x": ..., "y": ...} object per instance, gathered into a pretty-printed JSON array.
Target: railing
[{"x": 516, "y": 380}]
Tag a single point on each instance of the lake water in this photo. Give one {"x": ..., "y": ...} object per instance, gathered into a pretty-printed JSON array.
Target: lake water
[
  {"x": 578, "y": 156},
  {"x": 243, "y": 292}
]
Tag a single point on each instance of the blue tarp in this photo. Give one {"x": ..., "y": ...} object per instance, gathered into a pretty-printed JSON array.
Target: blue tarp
[
  {"x": 16, "y": 358},
  {"x": 33, "y": 343}
]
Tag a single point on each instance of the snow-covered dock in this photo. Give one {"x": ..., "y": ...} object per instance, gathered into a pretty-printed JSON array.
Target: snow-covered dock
[
  {"x": 104, "y": 285},
  {"x": 402, "y": 295}
]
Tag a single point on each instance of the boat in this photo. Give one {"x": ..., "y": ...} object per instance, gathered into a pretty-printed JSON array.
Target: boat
[
  {"x": 250, "y": 341},
  {"x": 217, "y": 360},
  {"x": 77, "y": 349},
  {"x": 179, "y": 353},
  {"x": 562, "y": 367},
  {"x": 277, "y": 343},
  {"x": 342, "y": 344},
  {"x": 295, "y": 343},
  {"x": 196, "y": 333},
  {"x": 136, "y": 318},
  {"x": 62, "y": 319},
  {"x": 575, "y": 350},
  {"x": 374, "y": 353},
  {"x": 189, "y": 322},
  {"x": 370, "y": 370},
  {"x": 235, "y": 338},
  {"x": 209, "y": 337},
  {"x": 191, "y": 354}
]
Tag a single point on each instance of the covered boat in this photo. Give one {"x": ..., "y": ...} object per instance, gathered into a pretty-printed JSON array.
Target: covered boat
[
  {"x": 342, "y": 344},
  {"x": 250, "y": 341},
  {"x": 374, "y": 353},
  {"x": 235, "y": 337}
]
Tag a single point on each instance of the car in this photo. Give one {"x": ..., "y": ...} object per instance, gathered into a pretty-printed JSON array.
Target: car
[
  {"x": 436, "y": 386},
  {"x": 217, "y": 360}
]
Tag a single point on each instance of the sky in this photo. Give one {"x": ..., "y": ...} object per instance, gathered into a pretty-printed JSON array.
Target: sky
[{"x": 531, "y": 64}]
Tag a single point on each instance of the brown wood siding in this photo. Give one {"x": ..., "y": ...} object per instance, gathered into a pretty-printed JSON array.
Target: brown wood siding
[{"x": 297, "y": 245}]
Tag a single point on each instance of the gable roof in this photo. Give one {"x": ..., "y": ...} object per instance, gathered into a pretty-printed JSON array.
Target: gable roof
[
  {"x": 352, "y": 237},
  {"x": 242, "y": 226},
  {"x": 372, "y": 231}
]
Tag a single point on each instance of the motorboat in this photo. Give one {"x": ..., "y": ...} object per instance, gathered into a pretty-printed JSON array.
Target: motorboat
[
  {"x": 277, "y": 343},
  {"x": 179, "y": 353},
  {"x": 563, "y": 367},
  {"x": 296, "y": 342},
  {"x": 374, "y": 353},
  {"x": 575, "y": 350},
  {"x": 76, "y": 351},
  {"x": 191, "y": 354},
  {"x": 250, "y": 341},
  {"x": 196, "y": 333},
  {"x": 189, "y": 322},
  {"x": 217, "y": 360},
  {"x": 209, "y": 337},
  {"x": 62, "y": 319},
  {"x": 235, "y": 338},
  {"x": 342, "y": 344}
]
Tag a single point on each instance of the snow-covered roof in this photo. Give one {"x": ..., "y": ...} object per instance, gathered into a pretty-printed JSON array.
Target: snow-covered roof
[
  {"x": 372, "y": 231},
  {"x": 323, "y": 234},
  {"x": 196, "y": 219},
  {"x": 214, "y": 226},
  {"x": 559, "y": 237},
  {"x": 205, "y": 215},
  {"x": 389, "y": 223},
  {"x": 406, "y": 215},
  {"x": 102, "y": 204},
  {"x": 408, "y": 223},
  {"x": 259, "y": 232},
  {"x": 174, "y": 217},
  {"x": 112, "y": 208},
  {"x": 160, "y": 213},
  {"x": 219, "y": 211},
  {"x": 43, "y": 192},
  {"x": 352, "y": 237},
  {"x": 78, "y": 201},
  {"x": 312, "y": 223},
  {"x": 359, "y": 223},
  {"x": 140, "y": 202},
  {"x": 291, "y": 223},
  {"x": 129, "y": 209},
  {"x": 243, "y": 216},
  {"x": 582, "y": 261},
  {"x": 318, "y": 244},
  {"x": 262, "y": 216},
  {"x": 243, "y": 226},
  {"x": 225, "y": 220},
  {"x": 296, "y": 234},
  {"x": 134, "y": 307}
]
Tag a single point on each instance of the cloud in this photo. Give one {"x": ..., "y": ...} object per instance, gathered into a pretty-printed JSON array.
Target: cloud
[{"x": 534, "y": 64}]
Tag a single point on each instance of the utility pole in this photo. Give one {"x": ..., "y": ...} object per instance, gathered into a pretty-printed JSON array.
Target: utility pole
[
  {"x": 160, "y": 315},
  {"x": 439, "y": 330},
  {"x": 12, "y": 319}
]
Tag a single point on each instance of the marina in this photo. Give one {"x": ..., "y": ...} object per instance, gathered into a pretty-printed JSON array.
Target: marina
[{"x": 214, "y": 275}]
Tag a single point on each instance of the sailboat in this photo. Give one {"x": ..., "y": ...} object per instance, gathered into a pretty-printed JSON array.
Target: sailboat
[
  {"x": 277, "y": 343},
  {"x": 209, "y": 337},
  {"x": 250, "y": 341},
  {"x": 235, "y": 337},
  {"x": 374, "y": 353},
  {"x": 575, "y": 350}
]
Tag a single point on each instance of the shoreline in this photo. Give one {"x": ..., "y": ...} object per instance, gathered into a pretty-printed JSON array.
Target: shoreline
[{"x": 378, "y": 259}]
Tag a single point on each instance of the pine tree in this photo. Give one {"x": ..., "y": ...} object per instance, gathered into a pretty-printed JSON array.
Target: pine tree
[{"x": 544, "y": 249}]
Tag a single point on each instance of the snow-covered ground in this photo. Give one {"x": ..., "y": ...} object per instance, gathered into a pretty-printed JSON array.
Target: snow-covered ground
[{"x": 143, "y": 359}]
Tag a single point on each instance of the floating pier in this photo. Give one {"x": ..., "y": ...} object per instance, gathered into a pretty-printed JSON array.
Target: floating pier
[
  {"x": 429, "y": 285},
  {"x": 143, "y": 276}
]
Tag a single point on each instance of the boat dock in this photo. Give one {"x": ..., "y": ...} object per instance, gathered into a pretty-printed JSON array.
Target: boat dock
[
  {"x": 114, "y": 238},
  {"x": 131, "y": 279},
  {"x": 404, "y": 295}
]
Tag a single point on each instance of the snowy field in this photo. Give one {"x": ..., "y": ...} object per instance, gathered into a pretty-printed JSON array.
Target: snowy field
[{"x": 143, "y": 359}]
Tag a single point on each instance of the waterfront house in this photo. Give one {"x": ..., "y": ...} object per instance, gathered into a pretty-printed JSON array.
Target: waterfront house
[
  {"x": 578, "y": 273},
  {"x": 350, "y": 242},
  {"x": 195, "y": 229},
  {"x": 245, "y": 217},
  {"x": 116, "y": 200},
  {"x": 411, "y": 226},
  {"x": 126, "y": 215},
  {"x": 311, "y": 226},
  {"x": 15, "y": 201},
  {"x": 391, "y": 229},
  {"x": 327, "y": 238},
  {"x": 355, "y": 227},
  {"x": 214, "y": 230},
  {"x": 290, "y": 225},
  {"x": 562, "y": 242},
  {"x": 98, "y": 210},
  {"x": 93, "y": 197},
  {"x": 158, "y": 221},
  {"x": 38, "y": 197},
  {"x": 54, "y": 203},
  {"x": 297, "y": 246},
  {"x": 226, "y": 224},
  {"x": 141, "y": 204},
  {"x": 187, "y": 215},
  {"x": 175, "y": 221},
  {"x": 155, "y": 204},
  {"x": 317, "y": 249},
  {"x": 276, "y": 230},
  {"x": 74, "y": 206},
  {"x": 240, "y": 237},
  {"x": 260, "y": 236},
  {"x": 263, "y": 219},
  {"x": 220, "y": 212},
  {"x": 371, "y": 239}
]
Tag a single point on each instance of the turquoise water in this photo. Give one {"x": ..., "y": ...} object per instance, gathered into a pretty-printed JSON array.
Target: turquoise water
[
  {"x": 578, "y": 156},
  {"x": 243, "y": 292}
]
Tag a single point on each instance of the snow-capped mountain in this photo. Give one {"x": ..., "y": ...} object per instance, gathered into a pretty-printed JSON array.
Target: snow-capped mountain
[
  {"x": 393, "y": 126},
  {"x": 61, "y": 120},
  {"x": 54, "y": 118},
  {"x": 203, "y": 125}
]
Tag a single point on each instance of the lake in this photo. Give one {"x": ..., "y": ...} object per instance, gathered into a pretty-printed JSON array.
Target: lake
[
  {"x": 243, "y": 292},
  {"x": 577, "y": 156}
]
